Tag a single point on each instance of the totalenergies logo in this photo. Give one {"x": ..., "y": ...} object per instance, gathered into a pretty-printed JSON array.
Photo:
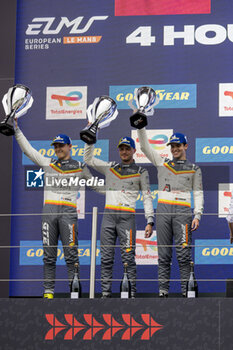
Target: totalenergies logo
[
  {"x": 71, "y": 99},
  {"x": 152, "y": 243},
  {"x": 228, "y": 93},
  {"x": 157, "y": 142}
]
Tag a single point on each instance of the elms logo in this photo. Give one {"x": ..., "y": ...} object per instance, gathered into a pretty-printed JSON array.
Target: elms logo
[
  {"x": 45, "y": 26},
  {"x": 53, "y": 25},
  {"x": 210, "y": 150},
  {"x": 66, "y": 102},
  {"x": 158, "y": 140}
]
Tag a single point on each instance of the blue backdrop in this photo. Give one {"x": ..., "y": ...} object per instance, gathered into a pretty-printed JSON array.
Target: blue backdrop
[{"x": 85, "y": 49}]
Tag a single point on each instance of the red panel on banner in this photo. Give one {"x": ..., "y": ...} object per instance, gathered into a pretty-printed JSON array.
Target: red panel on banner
[{"x": 161, "y": 7}]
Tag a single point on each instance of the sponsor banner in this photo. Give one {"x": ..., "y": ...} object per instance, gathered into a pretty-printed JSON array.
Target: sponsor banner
[
  {"x": 213, "y": 252},
  {"x": 66, "y": 102},
  {"x": 81, "y": 204},
  {"x": 226, "y": 100},
  {"x": 77, "y": 152},
  {"x": 154, "y": 193},
  {"x": 170, "y": 96},
  {"x": 146, "y": 249},
  {"x": 158, "y": 140},
  {"x": 161, "y": 7},
  {"x": 214, "y": 149},
  {"x": 224, "y": 198},
  {"x": 31, "y": 253}
]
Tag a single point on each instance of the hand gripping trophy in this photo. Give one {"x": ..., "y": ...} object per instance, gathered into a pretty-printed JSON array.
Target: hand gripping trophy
[
  {"x": 100, "y": 114},
  {"x": 146, "y": 99},
  {"x": 16, "y": 102}
]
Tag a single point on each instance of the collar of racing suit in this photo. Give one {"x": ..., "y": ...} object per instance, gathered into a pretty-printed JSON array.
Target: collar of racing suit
[
  {"x": 127, "y": 165},
  {"x": 179, "y": 161}
]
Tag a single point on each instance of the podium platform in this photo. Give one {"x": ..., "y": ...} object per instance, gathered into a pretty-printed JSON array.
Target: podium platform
[{"x": 142, "y": 323}]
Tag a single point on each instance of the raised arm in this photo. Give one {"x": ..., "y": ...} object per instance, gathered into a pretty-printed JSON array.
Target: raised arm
[
  {"x": 97, "y": 164},
  {"x": 29, "y": 151},
  {"x": 146, "y": 148}
]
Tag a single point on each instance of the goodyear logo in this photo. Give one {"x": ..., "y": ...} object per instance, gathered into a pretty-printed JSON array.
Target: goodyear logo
[
  {"x": 213, "y": 251},
  {"x": 154, "y": 193},
  {"x": 214, "y": 149},
  {"x": 171, "y": 96},
  {"x": 77, "y": 152},
  {"x": 31, "y": 253}
]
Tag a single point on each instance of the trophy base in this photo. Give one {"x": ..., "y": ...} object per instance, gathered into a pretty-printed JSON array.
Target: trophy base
[
  {"x": 138, "y": 120},
  {"x": 88, "y": 136},
  {"x": 7, "y": 129}
]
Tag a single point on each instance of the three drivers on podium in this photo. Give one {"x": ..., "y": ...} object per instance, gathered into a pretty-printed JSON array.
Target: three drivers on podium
[{"x": 177, "y": 178}]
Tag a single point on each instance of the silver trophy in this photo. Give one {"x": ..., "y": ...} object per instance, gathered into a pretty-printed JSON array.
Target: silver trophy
[
  {"x": 100, "y": 114},
  {"x": 16, "y": 102},
  {"x": 146, "y": 99}
]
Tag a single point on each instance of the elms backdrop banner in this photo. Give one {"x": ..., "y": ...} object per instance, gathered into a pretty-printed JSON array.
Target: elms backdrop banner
[{"x": 69, "y": 52}]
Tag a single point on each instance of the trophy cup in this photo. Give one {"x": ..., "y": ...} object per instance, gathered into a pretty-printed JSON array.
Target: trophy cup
[
  {"x": 16, "y": 103},
  {"x": 100, "y": 114},
  {"x": 146, "y": 99}
]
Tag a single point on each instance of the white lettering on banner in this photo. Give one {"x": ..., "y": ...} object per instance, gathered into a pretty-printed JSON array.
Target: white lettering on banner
[
  {"x": 75, "y": 151},
  {"x": 43, "y": 41},
  {"x": 220, "y": 34},
  {"x": 142, "y": 36},
  {"x": 73, "y": 181},
  {"x": 170, "y": 35},
  {"x": 207, "y": 34},
  {"x": 217, "y": 149},
  {"x": 189, "y": 34},
  {"x": 217, "y": 251},
  {"x": 163, "y": 95},
  {"x": 36, "y": 28}
]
